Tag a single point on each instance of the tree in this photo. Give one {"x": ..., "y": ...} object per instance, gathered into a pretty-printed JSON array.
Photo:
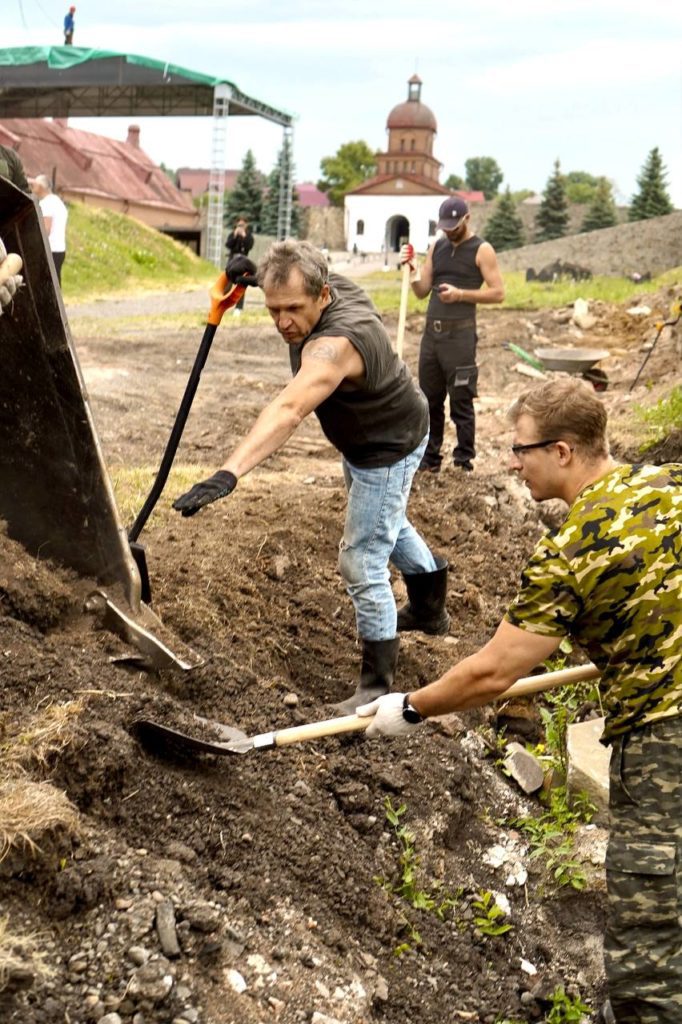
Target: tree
[
  {"x": 246, "y": 198},
  {"x": 504, "y": 230},
  {"x": 353, "y": 163},
  {"x": 553, "y": 212},
  {"x": 483, "y": 175},
  {"x": 456, "y": 183},
  {"x": 652, "y": 200},
  {"x": 270, "y": 210},
  {"x": 602, "y": 211},
  {"x": 581, "y": 187}
]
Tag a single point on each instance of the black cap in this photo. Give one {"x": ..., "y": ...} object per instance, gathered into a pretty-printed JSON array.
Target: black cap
[{"x": 451, "y": 213}]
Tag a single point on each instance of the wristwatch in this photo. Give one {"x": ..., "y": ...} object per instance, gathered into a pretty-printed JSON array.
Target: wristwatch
[{"x": 411, "y": 714}]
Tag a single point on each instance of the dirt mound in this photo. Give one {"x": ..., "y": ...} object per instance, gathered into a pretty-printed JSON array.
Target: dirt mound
[{"x": 340, "y": 880}]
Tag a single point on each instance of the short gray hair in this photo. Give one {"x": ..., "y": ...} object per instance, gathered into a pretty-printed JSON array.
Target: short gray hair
[
  {"x": 282, "y": 257},
  {"x": 43, "y": 181}
]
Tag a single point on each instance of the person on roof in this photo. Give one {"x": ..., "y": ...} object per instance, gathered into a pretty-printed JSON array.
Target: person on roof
[{"x": 69, "y": 26}]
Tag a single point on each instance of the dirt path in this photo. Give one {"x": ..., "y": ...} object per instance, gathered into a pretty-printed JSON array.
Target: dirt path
[{"x": 267, "y": 887}]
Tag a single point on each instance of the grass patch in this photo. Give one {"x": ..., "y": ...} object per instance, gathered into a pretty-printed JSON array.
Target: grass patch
[
  {"x": 132, "y": 484},
  {"x": 47, "y": 735},
  {"x": 108, "y": 252},
  {"x": 662, "y": 418},
  {"x": 30, "y": 810},
  {"x": 384, "y": 288}
]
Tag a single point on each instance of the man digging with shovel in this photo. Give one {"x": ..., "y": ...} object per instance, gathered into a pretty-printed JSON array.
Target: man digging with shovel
[
  {"x": 611, "y": 578},
  {"x": 346, "y": 372}
]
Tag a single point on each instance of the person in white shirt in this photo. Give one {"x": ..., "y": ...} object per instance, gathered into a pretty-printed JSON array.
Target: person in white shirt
[{"x": 55, "y": 216}]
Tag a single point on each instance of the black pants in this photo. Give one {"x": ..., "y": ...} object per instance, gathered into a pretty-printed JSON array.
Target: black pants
[
  {"x": 447, "y": 366},
  {"x": 58, "y": 260}
]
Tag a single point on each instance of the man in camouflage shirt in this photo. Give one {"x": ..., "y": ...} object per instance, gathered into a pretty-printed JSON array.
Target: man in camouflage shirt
[{"x": 610, "y": 578}]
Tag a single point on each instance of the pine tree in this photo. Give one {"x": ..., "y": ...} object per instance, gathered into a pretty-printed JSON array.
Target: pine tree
[
  {"x": 246, "y": 198},
  {"x": 602, "y": 209},
  {"x": 270, "y": 208},
  {"x": 652, "y": 200},
  {"x": 553, "y": 213},
  {"x": 504, "y": 230}
]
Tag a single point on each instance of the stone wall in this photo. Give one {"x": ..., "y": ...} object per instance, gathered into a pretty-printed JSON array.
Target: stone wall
[
  {"x": 644, "y": 246},
  {"x": 323, "y": 226}
]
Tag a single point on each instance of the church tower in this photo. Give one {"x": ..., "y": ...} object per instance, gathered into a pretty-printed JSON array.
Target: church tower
[{"x": 411, "y": 128}]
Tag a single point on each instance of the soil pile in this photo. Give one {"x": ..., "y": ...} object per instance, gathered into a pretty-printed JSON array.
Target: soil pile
[{"x": 341, "y": 880}]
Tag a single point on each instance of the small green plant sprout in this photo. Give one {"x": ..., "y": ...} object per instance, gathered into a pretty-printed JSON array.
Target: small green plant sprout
[
  {"x": 551, "y": 836},
  {"x": 565, "y": 1010},
  {"x": 438, "y": 901},
  {"x": 488, "y": 914}
]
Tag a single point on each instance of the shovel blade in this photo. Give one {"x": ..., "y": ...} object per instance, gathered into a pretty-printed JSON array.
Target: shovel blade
[{"x": 161, "y": 739}]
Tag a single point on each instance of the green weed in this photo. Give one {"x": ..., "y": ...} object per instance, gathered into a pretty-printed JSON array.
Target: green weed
[
  {"x": 550, "y": 836},
  {"x": 661, "y": 418},
  {"x": 565, "y": 1010},
  {"x": 488, "y": 914}
]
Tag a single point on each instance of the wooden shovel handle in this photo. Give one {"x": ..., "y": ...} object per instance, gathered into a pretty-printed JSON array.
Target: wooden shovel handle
[
  {"x": 314, "y": 730},
  {"x": 402, "y": 315},
  {"x": 353, "y": 723},
  {"x": 549, "y": 680}
]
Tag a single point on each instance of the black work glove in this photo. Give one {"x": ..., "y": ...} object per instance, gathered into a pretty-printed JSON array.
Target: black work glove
[
  {"x": 241, "y": 270},
  {"x": 217, "y": 486}
]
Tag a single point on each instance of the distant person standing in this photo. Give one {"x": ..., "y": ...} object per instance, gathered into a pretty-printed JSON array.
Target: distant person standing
[
  {"x": 55, "y": 216},
  {"x": 239, "y": 243},
  {"x": 69, "y": 25},
  {"x": 12, "y": 168},
  {"x": 456, "y": 267}
]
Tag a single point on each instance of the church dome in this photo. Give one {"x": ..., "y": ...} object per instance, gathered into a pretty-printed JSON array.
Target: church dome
[{"x": 412, "y": 113}]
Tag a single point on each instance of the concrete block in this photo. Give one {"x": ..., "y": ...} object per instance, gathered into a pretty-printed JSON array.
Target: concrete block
[
  {"x": 588, "y": 765},
  {"x": 523, "y": 767}
]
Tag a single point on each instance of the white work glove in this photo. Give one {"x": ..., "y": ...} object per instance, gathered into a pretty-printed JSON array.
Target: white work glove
[
  {"x": 388, "y": 716},
  {"x": 10, "y": 283}
]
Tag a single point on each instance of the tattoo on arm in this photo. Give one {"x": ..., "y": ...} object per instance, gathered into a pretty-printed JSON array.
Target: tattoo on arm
[{"x": 325, "y": 351}]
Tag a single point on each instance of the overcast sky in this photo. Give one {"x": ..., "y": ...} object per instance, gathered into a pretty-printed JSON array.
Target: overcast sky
[{"x": 595, "y": 83}]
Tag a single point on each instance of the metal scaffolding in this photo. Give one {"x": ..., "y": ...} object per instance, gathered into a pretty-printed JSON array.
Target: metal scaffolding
[
  {"x": 216, "y": 181},
  {"x": 286, "y": 183}
]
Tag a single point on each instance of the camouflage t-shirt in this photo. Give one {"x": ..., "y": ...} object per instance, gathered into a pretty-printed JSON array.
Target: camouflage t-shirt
[{"x": 611, "y": 578}]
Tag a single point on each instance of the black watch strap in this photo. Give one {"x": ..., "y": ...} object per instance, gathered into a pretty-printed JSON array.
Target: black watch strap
[{"x": 411, "y": 714}]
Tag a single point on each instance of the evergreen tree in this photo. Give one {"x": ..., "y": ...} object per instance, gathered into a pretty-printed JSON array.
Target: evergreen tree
[
  {"x": 652, "y": 200},
  {"x": 553, "y": 213},
  {"x": 602, "y": 210},
  {"x": 270, "y": 208},
  {"x": 246, "y": 198},
  {"x": 504, "y": 230}
]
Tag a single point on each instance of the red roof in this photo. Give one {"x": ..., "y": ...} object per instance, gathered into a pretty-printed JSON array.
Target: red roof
[
  {"x": 83, "y": 162},
  {"x": 195, "y": 180},
  {"x": 310, "y": 195}
]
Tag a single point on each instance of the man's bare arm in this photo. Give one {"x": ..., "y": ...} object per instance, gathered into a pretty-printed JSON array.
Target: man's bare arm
[
  {"x": 326, "y": 363},
  {"x": 509, "y": 655}
]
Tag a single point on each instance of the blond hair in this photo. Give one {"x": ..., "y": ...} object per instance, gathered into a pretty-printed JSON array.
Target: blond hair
[{"x": 567, "y": 409}]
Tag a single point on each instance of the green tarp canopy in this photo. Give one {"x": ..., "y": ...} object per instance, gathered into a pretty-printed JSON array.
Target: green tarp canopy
[{"x": 72, "y": 81}]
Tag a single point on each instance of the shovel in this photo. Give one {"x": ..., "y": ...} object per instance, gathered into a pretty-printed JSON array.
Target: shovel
[
  {"x": 160, "y": 739},
  {"x": 221, "y": 300}
]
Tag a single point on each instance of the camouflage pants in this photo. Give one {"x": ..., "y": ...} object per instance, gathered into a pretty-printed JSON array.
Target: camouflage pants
[{"x": 643, "y": 942}]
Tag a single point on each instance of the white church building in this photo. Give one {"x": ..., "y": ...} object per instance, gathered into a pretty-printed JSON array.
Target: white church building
[{"x": 401, "y": 202}]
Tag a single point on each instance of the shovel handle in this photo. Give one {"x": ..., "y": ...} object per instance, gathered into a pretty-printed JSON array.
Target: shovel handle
[
  {"x": 222, "y": 299},
  {"x": 402, "y": 315},
  {"x": 550, "y": 680},
  {"x": 314, "y": 730}
]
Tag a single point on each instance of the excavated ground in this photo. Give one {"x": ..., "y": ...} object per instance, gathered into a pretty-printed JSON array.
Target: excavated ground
[{"x": 261, "y": 887}]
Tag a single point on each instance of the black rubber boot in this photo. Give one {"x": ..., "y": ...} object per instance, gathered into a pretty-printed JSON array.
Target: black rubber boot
[
  {"x": 425, "y": 608},
  {"x": 379, "y": 658}
]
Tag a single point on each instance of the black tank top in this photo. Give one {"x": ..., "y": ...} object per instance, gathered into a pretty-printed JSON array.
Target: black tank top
[
  {"x": 382, "y": 420},
  {"x": 455, "y": 264}
]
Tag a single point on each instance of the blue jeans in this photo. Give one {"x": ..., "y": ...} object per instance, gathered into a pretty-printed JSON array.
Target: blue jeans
[{"x": 377, "y": 531}]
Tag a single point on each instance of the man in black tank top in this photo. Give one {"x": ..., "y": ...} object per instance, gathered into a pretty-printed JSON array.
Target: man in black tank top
[
  {"x": 456, "y": 267},
  {"x": 369, "y": 407}
]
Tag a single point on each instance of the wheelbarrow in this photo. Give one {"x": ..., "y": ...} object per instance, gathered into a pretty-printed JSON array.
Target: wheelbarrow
[{"x": 576, "y": 361}]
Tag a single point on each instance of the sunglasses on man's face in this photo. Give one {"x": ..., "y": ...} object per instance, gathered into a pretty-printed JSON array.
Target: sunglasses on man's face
[{"x": 519, "y": 449}]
